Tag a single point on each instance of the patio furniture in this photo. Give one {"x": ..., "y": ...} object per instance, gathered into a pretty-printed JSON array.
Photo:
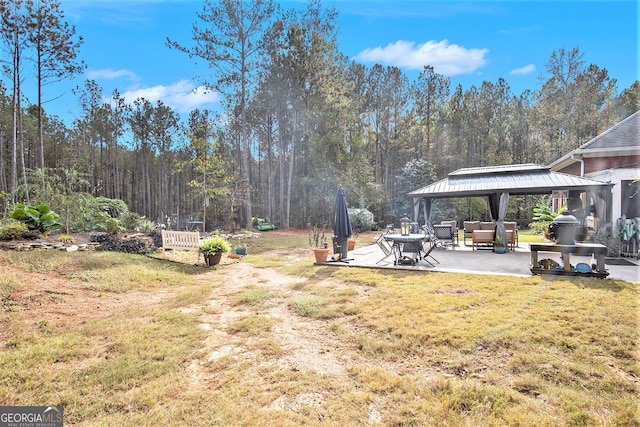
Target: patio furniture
[
  {"x": 454, "y": 226},
  {"x": 406, "y": 249},
  {"x": 487, "y": 237},
  {"x": 384, "y": 245},
  {"x": 433, "y": 242},
  {"x": 487, "y": 225},
  {"x": 469, "y": 228},
  {"x": 482, "y": 237},
  {"x": 444, "y": 233},
  {"x": 512, "y": 226},
  {"x": 181, "y": 240},
  {"x": 426, "y": 254}
]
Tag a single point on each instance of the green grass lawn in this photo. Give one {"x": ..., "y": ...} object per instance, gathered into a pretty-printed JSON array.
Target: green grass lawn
[
  {"x": 402, "y": 348},
  {"x": 529, "y": 236}
]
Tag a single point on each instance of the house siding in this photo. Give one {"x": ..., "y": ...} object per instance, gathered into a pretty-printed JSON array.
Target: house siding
[{"x": 597, "y": 164}]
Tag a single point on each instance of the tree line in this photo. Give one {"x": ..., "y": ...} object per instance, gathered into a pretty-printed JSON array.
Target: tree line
[{"x": 298, "y": 119}]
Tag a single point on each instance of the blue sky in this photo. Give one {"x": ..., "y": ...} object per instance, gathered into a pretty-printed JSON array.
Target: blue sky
[{"x": 471, "y": 41}]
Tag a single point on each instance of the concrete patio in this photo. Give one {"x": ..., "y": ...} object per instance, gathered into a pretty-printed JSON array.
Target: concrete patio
[{"x": 462, "y": 259}]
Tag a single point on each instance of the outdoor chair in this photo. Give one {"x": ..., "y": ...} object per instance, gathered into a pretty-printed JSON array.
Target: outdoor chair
[
  {"x": 454, "y": 226},
  {"x": 433, "y": 243},
  {"x": 444, "y": 233},
  {"x": 385, "y": 246},
  {"x": 425, "y": 253}
]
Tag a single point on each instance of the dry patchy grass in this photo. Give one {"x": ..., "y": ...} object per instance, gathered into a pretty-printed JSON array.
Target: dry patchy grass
[{"x": 128, "y": 340}]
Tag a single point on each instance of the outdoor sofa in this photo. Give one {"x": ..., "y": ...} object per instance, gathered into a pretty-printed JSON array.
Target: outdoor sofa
[{"x": 483, "y": 233}]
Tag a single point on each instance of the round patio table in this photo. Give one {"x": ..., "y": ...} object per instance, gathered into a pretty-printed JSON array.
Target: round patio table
[{"x": 406, "y": 248}]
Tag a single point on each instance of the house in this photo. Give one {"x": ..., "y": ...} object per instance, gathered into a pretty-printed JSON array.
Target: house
[{"x": 613, "y": 157}]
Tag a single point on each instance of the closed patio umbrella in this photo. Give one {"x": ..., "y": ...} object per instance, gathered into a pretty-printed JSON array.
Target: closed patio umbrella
[{"x": 342, "y": 225}]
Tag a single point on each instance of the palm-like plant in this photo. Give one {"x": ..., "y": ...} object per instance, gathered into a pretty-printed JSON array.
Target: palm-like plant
[{"x": 544, "y": 213}]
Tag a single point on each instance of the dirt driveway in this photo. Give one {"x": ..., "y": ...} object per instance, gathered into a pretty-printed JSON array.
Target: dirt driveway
[{"x": 306, "y": 342}]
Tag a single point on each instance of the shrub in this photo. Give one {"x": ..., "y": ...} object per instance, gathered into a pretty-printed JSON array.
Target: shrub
[
  {"x": 132, "y": 221},
  {"x": 115, "y": 208},
  {"x": 145, "y": 226},
  {"x": 539, "y": 228},
  {"x": 103, "y": 222},
  {"x": 100, "y": 214},
  {"x": 13, "y": 230},
  {"x": 66, "y": 238},
  {"x": 360, "y": 222},
  {"x": 612, "y": 243},
  {"x": 317, "y": 238},
  {"x": 39, "y": 217}
]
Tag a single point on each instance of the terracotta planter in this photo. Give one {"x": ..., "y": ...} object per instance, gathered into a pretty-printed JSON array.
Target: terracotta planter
[
  {"x": 212, "y": 259},
  {"x": 321, "y": 255},
  {"x": 351, "y": 245}
]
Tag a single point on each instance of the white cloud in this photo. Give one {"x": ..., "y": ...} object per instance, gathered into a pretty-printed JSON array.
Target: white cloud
[
  {"x": 181, "y": 96},
  {"x": 445, "y": 58},
  {"x": 527, "y": 69},
  {"x": 109, "y": 74}
]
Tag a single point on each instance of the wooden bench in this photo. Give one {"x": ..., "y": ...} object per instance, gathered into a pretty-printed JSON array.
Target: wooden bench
[{"x": 181, "y": 240}]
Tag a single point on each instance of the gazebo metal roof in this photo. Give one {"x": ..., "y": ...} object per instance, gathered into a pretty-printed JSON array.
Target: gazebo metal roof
[{"x": 513, "y": 179}]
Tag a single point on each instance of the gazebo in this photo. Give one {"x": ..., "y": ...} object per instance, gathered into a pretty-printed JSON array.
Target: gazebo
[{"x": 499, "y": 182}]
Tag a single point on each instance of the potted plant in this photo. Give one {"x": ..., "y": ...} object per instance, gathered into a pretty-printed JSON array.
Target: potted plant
[
  {"x": 351, "y": 243},
  {"x": 318, "y": 241},
  {"x": 498, "y": 245},
  {"x": 212, "y": 248}
]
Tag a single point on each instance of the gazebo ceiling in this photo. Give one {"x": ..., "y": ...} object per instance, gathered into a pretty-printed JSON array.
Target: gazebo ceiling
[{"x": 513, "y": 179}]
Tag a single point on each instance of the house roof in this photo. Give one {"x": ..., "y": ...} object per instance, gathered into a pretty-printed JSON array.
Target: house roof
[
  {"x": 622, "y": 139},
  {"x": 514, "y": 179}
]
